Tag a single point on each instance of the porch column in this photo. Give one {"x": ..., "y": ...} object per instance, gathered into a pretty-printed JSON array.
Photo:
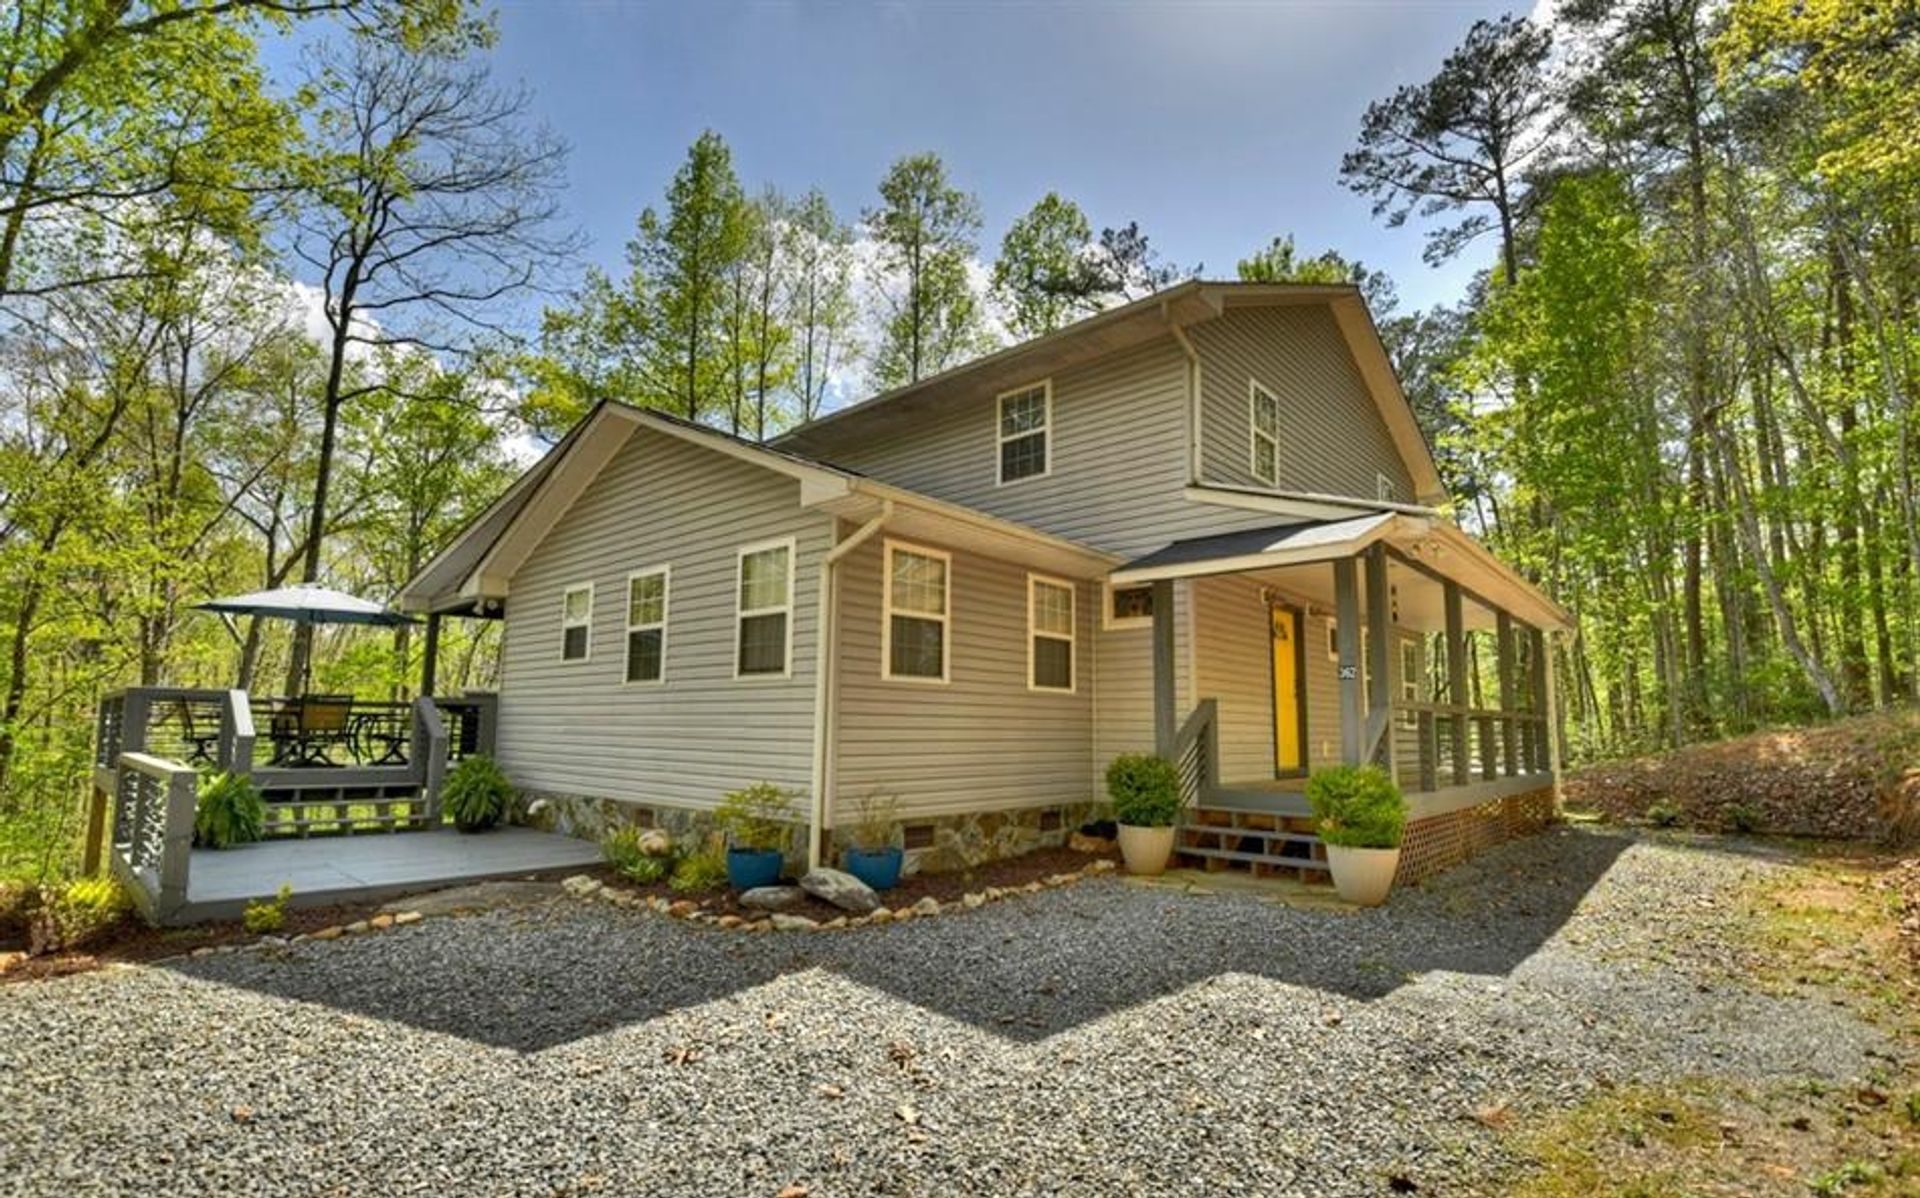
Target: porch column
[
  {"x": 430, "y": 660},
  {"x": 1553, "y": 723},
  {"x": 1380, "y": 654},
  {"x": 1166, "y": 720},
  {"x": 1537, "y": 698},
  {"x": 1457, "y": 681},
  {"x": 1509, "y": 694},
  {"x": 1346, "y": 604}
]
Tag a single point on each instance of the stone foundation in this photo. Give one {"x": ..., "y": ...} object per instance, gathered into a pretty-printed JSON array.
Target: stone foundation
[
  {"x": 1441, "y": 842},
  {"x": 935, "y": 844}
]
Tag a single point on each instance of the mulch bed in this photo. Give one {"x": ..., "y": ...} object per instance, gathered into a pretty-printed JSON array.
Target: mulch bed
[
  {"x": 1853, "y": 779},
  {"x": 1007, "y": 874}
]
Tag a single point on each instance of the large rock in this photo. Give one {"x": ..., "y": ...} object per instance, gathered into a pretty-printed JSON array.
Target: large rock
[
  {"x": 773, "y": 898},
  {"x": 843, "y": 890}
]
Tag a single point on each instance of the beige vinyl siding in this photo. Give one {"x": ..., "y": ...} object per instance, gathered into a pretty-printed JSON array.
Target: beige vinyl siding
[
  {"x": 980, "y": 741},
  {"x": 1235, "y": 668},
  {"x": 1118, "y": 461},
  {"x": 1332, "y": 439},
  {"x": 1323, "y": 696},
  {"x": 1123, "y": 694},
  {"x": 577, "y": 727}
]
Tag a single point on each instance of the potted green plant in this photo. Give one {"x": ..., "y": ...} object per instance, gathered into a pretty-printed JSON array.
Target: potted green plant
[
  {"x": 1362, "y": 816},
  {"x": 871, "y": 855},
  {"x": 228, "y": 810},
  {"x": 1145, "y": 790},
  {"x": 757, "y": 821},
  {"x": 476, "y": 793}
]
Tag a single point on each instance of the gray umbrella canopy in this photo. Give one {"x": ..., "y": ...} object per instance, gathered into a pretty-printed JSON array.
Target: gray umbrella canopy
[{"x": 307, "y": 604}]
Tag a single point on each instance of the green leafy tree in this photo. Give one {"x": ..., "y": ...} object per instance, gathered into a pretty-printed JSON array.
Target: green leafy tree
[
  {"x": 1046, "y": 276},
  {"x": 820, "y": 308},
  {"x": 924, "y": 228}
]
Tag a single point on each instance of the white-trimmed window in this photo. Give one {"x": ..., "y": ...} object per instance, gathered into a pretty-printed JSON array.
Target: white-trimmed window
[
  {"x": 1263, "y": 442},
  {"x": 647, "y": 624},
  {"x": 1410, "y": 672},
  {"x": 1025, "y": 432},
  {"x": 576, "y": 622},
  {"x": 1050, "y": 603},
  {"x": 764, "y": 623},
  {"x": 914, "y": 624},
  {"x": 1130, "y": 606},
  {"x": 1383, "y": 489},
  {"x": 1333, "y": 640}
]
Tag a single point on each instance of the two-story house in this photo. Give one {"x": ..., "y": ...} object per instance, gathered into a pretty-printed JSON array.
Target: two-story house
[{"x": 1204, "y": 523}]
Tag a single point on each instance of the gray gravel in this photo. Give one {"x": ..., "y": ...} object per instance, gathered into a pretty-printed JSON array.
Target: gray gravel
[{"x": 1103, "y": 1039}]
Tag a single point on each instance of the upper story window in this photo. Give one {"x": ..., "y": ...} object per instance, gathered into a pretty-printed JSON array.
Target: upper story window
[
  {"x": 576, "y": 622},
  {"x": 1410, "y": 671},
  {"x": 1049, "y": 633},
  {"x": 1263, "y": 419},
  {"x": 915, "y": 620},
  {"x": 764, "y": 633},
  {"x": 1383, "y": 489},
  {"x": 647, "y": 625},
  {"x": 1025, "y": 432},
  {"x": 1130, "y": 606}
]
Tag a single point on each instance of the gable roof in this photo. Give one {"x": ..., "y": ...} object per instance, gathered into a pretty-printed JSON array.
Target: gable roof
[
  {"x": 475, "y": 569},
  {"x": 1137, "y": 323}
]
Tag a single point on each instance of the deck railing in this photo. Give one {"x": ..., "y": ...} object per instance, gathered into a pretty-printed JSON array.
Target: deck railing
[
  {"x": 1196, "y": 752},
  {"x": 153, "y": 807},
  {"x": 1437, "y": 745}
]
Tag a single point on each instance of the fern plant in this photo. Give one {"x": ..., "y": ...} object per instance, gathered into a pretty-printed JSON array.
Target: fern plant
[
  {"x": 476, "y": 793},
  {"x": 228, "y": 811}
]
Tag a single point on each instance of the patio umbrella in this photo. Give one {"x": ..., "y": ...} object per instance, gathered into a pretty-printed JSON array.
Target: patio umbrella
[{"x": 307, "y": 604}]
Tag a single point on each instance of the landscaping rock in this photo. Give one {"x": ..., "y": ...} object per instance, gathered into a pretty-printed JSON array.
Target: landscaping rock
[
  {"x": 927, "y": 906},
  {"x": 580, "y": 885},
  {"x": 841, "y": 889},
  {"x": 1080, "y": 842},
  {"x": 773, "y": 898},
  {"x": 655, "y": 842},
  {"x": 782, "y": 922}
]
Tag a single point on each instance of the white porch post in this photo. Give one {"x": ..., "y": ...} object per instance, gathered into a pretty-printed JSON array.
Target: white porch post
[{"x": 1381, "y": 656}]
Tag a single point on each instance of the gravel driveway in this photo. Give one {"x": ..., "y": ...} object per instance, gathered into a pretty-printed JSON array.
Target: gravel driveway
[{"x": 1103, "y": 1039}]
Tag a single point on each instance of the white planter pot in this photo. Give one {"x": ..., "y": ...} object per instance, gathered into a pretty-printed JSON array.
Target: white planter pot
[
  {"x": 1146, "y": 849},
  {"x": 1363, "y": 876}
]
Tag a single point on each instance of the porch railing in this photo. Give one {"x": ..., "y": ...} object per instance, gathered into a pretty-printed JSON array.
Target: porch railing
[
  {"x": 1196, "y": 752},
  {"x": 1436, "y": 745}
]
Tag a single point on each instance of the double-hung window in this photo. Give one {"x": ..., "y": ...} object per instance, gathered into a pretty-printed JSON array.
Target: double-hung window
[
  {"x": 576, "y": 622},
  {"x": 764, "y": 594},
  {"x": 647, "y": 625},
  {"x": 915, "y": 621},
  {"x": 1049, "y": 634},
  {"x": 1025, "y": 432},
  {"x": 1263, "y": 416}
]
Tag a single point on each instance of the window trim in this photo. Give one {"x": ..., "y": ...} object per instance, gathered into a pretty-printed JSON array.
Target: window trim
[
  {"x": 1410, "y": 679},
  {"x": 1111, "y": 623},
  {"x": 1255, "y": 392},
  {"x": 665, "y": 573},
  {"x": 1383, "y": 488},
  {"x": 888, "y": 548},
  {"x": 741, "y": 613},
  {"x": 586, "y": 622},
  {"x": 1072, "y": 636},
  {"x": 1045, "y": 431}
]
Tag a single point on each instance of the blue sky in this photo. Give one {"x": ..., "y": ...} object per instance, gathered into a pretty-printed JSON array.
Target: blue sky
[{"x": 1215, "y": 126}]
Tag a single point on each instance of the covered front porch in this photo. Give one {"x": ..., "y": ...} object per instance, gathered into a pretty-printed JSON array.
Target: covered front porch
[{"x": 1388, "y": 638}]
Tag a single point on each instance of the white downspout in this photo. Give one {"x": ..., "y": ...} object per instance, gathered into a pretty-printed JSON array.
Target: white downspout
[{"x": 823, "y": 673}]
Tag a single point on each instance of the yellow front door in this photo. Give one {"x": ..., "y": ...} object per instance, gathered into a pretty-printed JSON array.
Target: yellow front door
[{"x": 1286, "y": 691}]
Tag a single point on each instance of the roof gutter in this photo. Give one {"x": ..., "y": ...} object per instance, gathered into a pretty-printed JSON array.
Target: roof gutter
[{"x": 823, "y": 679}]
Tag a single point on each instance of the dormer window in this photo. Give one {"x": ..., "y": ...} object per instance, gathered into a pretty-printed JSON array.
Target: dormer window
[
  {"x": 1263, "y": 419},
  {"x": 1383, "y": 489},
  {"x": 1026, "y": 426}
]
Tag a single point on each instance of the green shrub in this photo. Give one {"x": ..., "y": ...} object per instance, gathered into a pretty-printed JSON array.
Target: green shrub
[
  {"x": 229, "y": 811},
  {"x": 703, "y": 869},
  {"x": 1663, "y": 813},
  {"x": 266, "y": 916},
  {"x": 1145, "y": 790},
  {"x": 1743, "y": 818},
  {"x": 72, "y": 914},
  {"x": 476, "y": 793},
  {"x": 623, "y": 851},
  {"x": 1358, "y": 806},
  {"x": 757, "y": 817}
]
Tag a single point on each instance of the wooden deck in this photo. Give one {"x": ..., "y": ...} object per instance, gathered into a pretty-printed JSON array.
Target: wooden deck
[{"x": 338, "y": 869}]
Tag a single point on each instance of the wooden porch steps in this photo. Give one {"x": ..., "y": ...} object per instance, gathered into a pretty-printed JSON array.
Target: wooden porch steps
[{"x": 1265, "y": 843}]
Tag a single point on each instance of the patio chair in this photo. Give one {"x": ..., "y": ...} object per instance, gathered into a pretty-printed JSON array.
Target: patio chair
[
  {"x": 323, "y": 721},
  {"x": 202, "y": 743}
]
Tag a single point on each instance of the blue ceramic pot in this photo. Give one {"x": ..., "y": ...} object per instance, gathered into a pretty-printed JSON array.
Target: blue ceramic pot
[
  {"x": 748, "y": 868},
  {"x": 879, "y": 870}
]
